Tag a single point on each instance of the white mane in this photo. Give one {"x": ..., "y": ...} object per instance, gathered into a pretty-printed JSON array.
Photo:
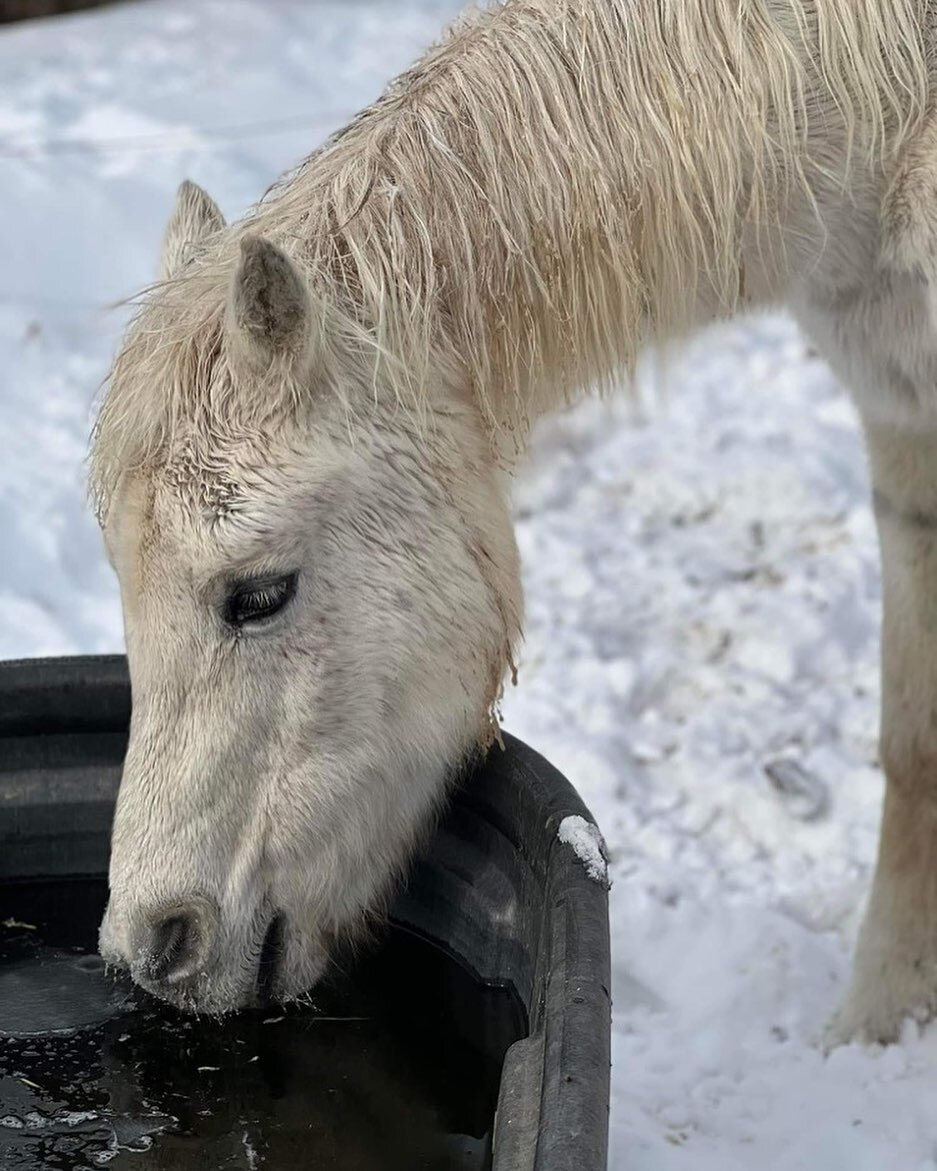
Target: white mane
[{"x": 553, "y": 185}]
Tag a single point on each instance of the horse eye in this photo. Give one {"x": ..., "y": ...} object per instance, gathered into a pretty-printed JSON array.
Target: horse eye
[{"x": 256, "y": 600}]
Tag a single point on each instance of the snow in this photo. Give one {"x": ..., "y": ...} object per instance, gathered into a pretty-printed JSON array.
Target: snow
[
  {"x": 700, "y": 564},
  {"x": 585, "y": 840}
]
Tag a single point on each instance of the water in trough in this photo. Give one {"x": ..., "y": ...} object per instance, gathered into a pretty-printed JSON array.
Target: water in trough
[{"x": 394, "y": 1066}]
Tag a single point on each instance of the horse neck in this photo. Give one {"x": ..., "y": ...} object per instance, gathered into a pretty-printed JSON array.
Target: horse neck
[{"x": 557, "y": 184}]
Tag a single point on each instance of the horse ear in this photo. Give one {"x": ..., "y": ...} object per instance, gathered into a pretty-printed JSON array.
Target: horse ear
[
  {"x": 195, "y": 216},
  {"x": 269, "y": 315}
]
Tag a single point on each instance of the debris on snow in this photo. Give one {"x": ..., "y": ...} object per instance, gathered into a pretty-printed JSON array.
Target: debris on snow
[{"x": 805, "y": 795}]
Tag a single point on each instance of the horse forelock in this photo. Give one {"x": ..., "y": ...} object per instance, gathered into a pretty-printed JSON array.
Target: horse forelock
[{"x": 172, "y": 404}]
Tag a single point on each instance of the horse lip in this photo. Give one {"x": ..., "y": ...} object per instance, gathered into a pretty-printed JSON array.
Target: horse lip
[{"x": 271, "y": 955}]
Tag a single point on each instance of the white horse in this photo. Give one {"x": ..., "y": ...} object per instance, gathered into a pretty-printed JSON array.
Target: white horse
[{"x": 302, "y": 461}]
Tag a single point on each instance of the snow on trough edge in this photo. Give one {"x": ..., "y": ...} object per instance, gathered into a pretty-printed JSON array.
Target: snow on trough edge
[{"x": 585, "y": 840}]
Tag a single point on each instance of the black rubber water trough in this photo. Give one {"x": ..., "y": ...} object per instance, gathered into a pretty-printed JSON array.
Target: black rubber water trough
[{"x": 474, "y": 1035}]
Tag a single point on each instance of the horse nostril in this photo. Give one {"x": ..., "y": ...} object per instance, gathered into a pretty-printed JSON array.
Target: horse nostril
[
  {"x": 170, "y": 945},
  {"x": 179, "y": 944}
]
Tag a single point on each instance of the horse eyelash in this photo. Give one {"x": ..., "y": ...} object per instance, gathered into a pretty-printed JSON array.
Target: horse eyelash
[{"x": 267, "y": 594}]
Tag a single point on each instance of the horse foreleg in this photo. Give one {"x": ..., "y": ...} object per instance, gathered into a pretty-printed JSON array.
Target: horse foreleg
[{"x": 895, "y": 972}]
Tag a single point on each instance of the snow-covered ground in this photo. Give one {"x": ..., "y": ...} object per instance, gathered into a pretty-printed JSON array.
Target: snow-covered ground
[{"x": 701, "y": 576}]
